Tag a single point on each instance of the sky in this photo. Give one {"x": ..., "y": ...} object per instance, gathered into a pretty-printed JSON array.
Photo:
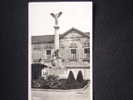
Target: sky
[{"x": 74, "y": 14}]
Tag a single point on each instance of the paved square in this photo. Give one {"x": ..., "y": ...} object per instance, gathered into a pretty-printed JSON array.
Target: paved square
[{"x": 61, "y": 95}]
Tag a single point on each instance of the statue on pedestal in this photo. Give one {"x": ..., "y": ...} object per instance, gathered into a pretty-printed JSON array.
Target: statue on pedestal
[{"x": 56, "y": 61}]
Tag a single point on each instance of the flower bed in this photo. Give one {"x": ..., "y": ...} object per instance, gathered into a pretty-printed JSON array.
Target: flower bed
[{"x": 53, "y": 82}]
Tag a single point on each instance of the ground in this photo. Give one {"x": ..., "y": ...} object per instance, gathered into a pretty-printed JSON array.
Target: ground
[{"x": 75, "y": 94}]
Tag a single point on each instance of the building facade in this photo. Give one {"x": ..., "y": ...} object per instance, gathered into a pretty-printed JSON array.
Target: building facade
[{"x": 74, "y": 50}]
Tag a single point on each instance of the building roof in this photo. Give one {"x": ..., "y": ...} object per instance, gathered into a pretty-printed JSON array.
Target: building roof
[
  {"x": 76, "y": 30},
  {"x": 50, "y": 38},
  {"x": 43, "y": 39}
]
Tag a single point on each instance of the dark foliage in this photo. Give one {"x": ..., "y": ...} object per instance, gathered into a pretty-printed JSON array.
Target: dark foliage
[
  {"x": 38, "y": 83},
  {"x": 70, "y": 78},
  {"x": 53, "y": 82},
  {"x": 80, "y": 77}
]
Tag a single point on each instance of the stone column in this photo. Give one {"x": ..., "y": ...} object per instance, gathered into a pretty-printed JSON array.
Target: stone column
[{"x": 56, "y": 38}]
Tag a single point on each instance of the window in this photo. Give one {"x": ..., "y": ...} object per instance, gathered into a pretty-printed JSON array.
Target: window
[
  {"x": 86, "y": 43},
  {"x": 86, "y": 53},
  {"x": 73, "y": 54},
  {"x": 48, "y": 54},
  {"x": 73, "y": 49},
  {"x": 86, "y": 50}
]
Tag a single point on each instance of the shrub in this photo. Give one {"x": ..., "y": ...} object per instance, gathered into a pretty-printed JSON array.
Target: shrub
[
  {"x": 80, "y": 77},
  {"x": 52, "y": 78},
  {"x": 52, "y": 82},
  {"x": 38, "y": 83},
  {"x": 74, "y": 85},
  {"x": 85, "y": 82},
  {"x": 71, "y": 83},
  {"x": 70, "y": 78}
]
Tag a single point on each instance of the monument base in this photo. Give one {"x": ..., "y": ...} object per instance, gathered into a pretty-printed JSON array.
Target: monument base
[{"x": 56, "y": 68}]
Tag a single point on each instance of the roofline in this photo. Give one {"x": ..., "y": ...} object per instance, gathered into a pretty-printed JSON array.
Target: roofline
[
  {"x": 65, "y": 33},
  {"x": 61, "y": 35}
]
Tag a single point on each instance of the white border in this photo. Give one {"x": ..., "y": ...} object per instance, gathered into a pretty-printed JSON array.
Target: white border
[
  {"x": 29, "y": 60},
  {"x": 91, "y": 56},
  {"x": 30, "y": 53}
]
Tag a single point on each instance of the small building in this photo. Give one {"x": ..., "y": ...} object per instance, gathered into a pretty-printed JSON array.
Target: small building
[{"x": 74, "y": 50}]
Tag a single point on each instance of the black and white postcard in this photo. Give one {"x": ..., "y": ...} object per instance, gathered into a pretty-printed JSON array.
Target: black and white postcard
[{"x": 60, "y": 50}]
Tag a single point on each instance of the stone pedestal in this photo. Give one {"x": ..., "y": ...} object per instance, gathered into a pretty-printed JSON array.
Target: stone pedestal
[{"x": 58, "y": 63}]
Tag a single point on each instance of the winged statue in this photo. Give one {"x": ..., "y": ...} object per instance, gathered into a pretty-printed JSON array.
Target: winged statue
[{"x": 56, "y": 16}]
